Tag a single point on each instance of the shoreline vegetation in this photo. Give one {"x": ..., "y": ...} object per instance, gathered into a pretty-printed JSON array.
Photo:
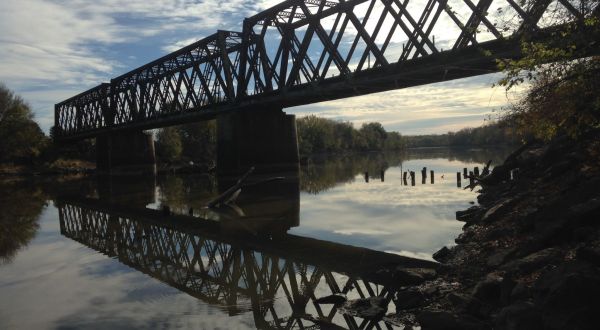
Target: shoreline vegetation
[{"x": 26, "y": 150}]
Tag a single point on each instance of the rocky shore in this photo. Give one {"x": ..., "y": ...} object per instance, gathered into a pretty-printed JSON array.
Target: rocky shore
[{"x": 529, "y": 254}]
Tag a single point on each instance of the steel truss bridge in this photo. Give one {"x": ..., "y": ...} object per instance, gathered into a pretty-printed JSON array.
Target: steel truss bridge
[
  {"x": 273, "y": 277},
  {"x": 306, "y": 51}
]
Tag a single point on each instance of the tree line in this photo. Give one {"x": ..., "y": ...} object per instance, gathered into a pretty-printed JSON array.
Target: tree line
[
  {"x": 498, "y": 133},
  {"x": 322, "y": 135}
]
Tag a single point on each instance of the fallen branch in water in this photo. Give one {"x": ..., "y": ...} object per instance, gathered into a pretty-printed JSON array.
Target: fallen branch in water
[{"x": 230, "y": 194}]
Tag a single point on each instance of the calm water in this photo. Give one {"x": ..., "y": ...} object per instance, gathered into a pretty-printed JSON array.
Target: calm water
[{"x": 87, "y": 253}]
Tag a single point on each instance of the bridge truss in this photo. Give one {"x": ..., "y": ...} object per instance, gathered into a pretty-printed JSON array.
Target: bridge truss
[{"x": 306, "y": 51}]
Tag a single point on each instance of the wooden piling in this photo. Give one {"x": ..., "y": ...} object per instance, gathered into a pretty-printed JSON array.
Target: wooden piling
[
  {"x": 464, "y": 173},
  {"x": 424, "y": 175},
  {"x": 382, "y": 176},
  {"x": 458, "y": 179},
  {"x": 431, "y": 175},
  {"x": 412, "y": 178},
  {"x": 404, "y": 178},
  {"x": 367, "y": 177},
  {"x": 476, "y": 170},
  {"x": 471, "y": 180}
]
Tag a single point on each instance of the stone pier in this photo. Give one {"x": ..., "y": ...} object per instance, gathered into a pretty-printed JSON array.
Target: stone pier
[
  {"x": 125, "y": 153},
  {"x": 265, "y": 138}
]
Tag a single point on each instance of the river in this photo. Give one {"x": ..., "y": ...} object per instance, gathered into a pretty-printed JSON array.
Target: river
[{"x": 145, "y": 253}]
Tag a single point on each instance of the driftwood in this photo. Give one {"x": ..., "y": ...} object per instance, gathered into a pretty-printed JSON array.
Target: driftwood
[
  {"x": 486, "y": 169},
  {"x": 230, "y": 194}
]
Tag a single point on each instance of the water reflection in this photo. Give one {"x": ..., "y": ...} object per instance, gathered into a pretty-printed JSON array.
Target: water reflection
[
  {"x": 326, "y": 172},
  {"x": 262, "y": 262},
  {"x": 20, "y": 206},
  {"x": 277, "y": 280}
]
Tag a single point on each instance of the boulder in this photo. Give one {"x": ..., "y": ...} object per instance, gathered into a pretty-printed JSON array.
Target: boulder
[
  {"x": 413, "y": 276},
  {"x": 534, "y": 261},
  {"x": 568, "y": 296},
  {"x": 519, "y": 316},
  {"x": 444, "y": 320},
  {"x": 442, "y": 254},
  {"x": 410, "y": 298},
  {"x": 489, "y": 289},
  {"x": 367, "y": 308}
]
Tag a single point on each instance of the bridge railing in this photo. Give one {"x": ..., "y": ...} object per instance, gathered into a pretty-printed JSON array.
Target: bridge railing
[{"x": 304, "y": 45}]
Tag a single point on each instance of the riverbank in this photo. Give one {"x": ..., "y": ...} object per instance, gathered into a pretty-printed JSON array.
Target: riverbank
[{"x": 529, "y": 253}]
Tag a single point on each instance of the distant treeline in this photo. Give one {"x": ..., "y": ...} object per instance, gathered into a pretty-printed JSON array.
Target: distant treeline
[
  {"x": 322, "y": 135},
  {"x": 492, "y": 134}
]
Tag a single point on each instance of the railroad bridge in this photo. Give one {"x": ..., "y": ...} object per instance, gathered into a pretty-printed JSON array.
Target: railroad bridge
[{"x": 295, "y": 53}]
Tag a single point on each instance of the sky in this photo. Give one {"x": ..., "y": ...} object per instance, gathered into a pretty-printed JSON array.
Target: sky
[{"x": 51, "y": 50}]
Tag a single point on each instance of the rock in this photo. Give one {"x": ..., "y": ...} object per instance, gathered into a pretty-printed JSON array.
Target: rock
[
  {"x": 519, "y": 316},
  {"x": 443, "y": 320},
  {"x": 589, "y": 253},
  {"x": 467, "y": 303},
  {"x": 367, "y": 308},
  {"x": 519, "y": 292},
  {"x": 497, "y": 210},
  {"x": 441, "y": 255},
  {"x": 408, "y": 299},
  {"x": 469, "y": 214},
  {"x": 489, "y": 289},
  {"x": 413, "y": 276},
  {"x": 568, "y": 296},
  {"x": 499, "y": 258},
  {"x": 534, "y": 261},
  {"x": 335, "y": 299}
]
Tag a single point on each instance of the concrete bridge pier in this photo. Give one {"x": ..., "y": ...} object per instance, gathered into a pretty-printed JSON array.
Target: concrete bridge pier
[
  {"x": 265, "y": 138},
  {"x": 125, "y": 153}
]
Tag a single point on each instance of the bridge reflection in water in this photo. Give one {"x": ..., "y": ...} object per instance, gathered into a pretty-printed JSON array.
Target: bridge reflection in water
[{"x": 278, "y": 276}]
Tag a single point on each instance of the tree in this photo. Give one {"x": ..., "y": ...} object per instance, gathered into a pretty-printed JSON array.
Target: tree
[
  {"x": 199, "y": 140},
  {"x": 374, "y": 135},
  {"x": 563, "y": 97},
  {"x": 21, "y": 138},
  {"x": 168, "y": 144}
]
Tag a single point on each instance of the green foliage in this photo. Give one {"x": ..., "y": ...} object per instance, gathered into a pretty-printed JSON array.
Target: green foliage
[
  {"x": 563, "y": 96},
  {"x": 21, "y": 139},
  {"x": 561, "y": 104},
  {"x": 322, "y": 135},
  {"x": 196, "y": 142},
  {"x": 168, "y": 144}
]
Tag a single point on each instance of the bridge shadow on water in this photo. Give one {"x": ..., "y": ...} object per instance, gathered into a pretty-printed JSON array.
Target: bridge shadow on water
[{"x": 239, "y": 258}]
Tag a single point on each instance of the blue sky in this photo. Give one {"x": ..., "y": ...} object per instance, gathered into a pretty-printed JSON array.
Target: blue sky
[{"x": 54, "y": 49}]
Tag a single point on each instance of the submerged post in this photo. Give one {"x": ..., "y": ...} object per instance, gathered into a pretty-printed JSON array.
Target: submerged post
[
  {"x": 458, "y": 179},
  {"x": 404, "y": 178},
  {"x": 367, "y": 177},
  {"x": 424, "y": 175},
  {"x": 476, "y": 170},
  {"x": 382, "y": 175},
  {"x": 464, "y": 173},
  {"x": 412, "y": 178},
  {"x": 431, "y": 174}
]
